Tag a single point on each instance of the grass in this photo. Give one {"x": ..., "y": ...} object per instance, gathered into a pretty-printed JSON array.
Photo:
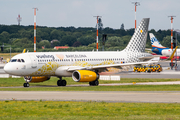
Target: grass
[
  {"x": 51, "y": 85},
  {"x": 67, "y": 110},
  {"x": 100, "y": 88},
  {"x": 9, "y": 82},
  {"x": 7, "y": 55}
]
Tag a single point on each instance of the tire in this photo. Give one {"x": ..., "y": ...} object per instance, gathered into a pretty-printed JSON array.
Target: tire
[
  {"x": 96, "y": 82},
  {"x": 63, "y": 83},
  {"x": 59, "y": 83},
  {"x": 90, "y": 83},
  {"x": 25, "y": 85}
]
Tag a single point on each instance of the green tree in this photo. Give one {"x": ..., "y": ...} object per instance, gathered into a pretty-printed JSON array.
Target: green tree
[
  {"x": 4, "y": 37},
  {"x": 76, "y": 44},
  {"x": 68, "y": 40},
  {"x": 86, "y": 40},
  {"x": 26, "y": 33},
  {"x": 56, "y": 34},
  {"x": 55, "y": 43},
  {"x": 166, "y": 41},
  {"x": 122, "y": 27},
  {"x": 100, "y": 24},
  {"x": 77, "y": 35},
  {"x": 23, "y": 43},
  {"x": 44, "y": 43},
  {"x": 115, "y": 41},
  {"x": 126, "y": 39}
]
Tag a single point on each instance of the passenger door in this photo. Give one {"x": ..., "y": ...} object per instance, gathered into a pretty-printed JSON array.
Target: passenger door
[{"x": 33, "y": 61}]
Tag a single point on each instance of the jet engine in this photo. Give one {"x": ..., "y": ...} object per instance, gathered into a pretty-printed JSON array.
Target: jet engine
[
  {"x": 84, "y": 76},
  {"x": 36, "y": 79}
]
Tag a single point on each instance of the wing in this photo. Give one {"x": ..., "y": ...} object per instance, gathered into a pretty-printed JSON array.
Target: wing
[
  {"x": 104, "y": 67},
  {"x": 147, "y": 58}
]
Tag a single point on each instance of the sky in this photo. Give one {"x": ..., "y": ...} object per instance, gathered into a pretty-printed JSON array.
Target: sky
[{"x": 79, "y": 13}]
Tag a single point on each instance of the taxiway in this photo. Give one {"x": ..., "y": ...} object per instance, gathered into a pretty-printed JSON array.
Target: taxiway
[{"x": 107, "y": 96}]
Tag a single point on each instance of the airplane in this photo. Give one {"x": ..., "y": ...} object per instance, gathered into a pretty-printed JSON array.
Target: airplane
[
  {"x": 81, "y": 66},
  {"x": 159, "y": 49}
]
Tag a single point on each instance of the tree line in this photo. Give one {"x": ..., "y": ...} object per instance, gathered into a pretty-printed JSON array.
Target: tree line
[{"x": 78, "y": 39}]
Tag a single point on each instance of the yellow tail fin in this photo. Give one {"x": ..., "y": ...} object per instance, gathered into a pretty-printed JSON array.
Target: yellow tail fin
[{"x": 24, "y": 50}]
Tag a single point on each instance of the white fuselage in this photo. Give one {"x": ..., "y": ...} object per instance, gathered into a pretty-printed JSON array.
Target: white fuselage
[
  {"x": 53, "y": 63},
  {"x": 168, "y": 52}
]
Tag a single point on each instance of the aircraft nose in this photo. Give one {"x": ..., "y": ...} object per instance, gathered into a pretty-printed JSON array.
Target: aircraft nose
[{"x": 7, "y": 68}]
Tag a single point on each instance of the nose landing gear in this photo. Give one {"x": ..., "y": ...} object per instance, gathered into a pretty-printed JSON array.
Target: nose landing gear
[
  {"x": 27, "y": 79},
  {"x": 61, "y": 82},
  {"x": 26, "y": 84}
]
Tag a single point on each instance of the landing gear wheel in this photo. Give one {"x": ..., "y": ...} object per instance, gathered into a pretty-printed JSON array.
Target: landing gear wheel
[
  {"x": 61, "y": 82},
  {"x": 90, "y": 83},
  {"x": 26, "y": 84},
  {"x": 94, "y": 83}
]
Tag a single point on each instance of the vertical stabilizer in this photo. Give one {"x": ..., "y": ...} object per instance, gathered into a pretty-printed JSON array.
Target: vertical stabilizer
[
  {"x": 139, "y": 38},
  {"x": 154, "y": 42}
]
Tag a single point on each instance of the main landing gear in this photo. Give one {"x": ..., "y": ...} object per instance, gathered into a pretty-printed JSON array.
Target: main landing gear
[
  {"x": 61, "y": 82},
  {"x": 94, "y": 83}
]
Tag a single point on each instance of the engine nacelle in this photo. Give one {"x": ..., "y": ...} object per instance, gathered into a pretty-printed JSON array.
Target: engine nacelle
[
  {"x": 36, "y": 79},
  {"x": 84, "y": 76}
]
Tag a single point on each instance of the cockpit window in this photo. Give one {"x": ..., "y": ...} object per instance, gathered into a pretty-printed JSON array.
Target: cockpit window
[
  {"x": 13, "y": 60},
  {"x": 17, "y": 60},
  {"x": 22, "y": 60}
]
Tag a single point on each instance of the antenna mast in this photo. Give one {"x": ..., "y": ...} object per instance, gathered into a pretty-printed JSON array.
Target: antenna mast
[
  {"x": 35, "y": 28},
  {"x": 135, "y": 4},
  {"x": 19, "y": 19},
  {"x": 97, "y": 32},
  {"x": 172, "y": 17}
]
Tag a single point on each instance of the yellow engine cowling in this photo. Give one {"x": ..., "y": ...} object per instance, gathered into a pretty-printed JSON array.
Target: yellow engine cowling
[
  {"x": 84, "y": 76},
  {"x": 36, "y": 79}
]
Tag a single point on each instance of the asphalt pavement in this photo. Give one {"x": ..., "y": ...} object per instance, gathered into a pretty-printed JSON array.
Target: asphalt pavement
[{"x": 107, "y": 96}]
